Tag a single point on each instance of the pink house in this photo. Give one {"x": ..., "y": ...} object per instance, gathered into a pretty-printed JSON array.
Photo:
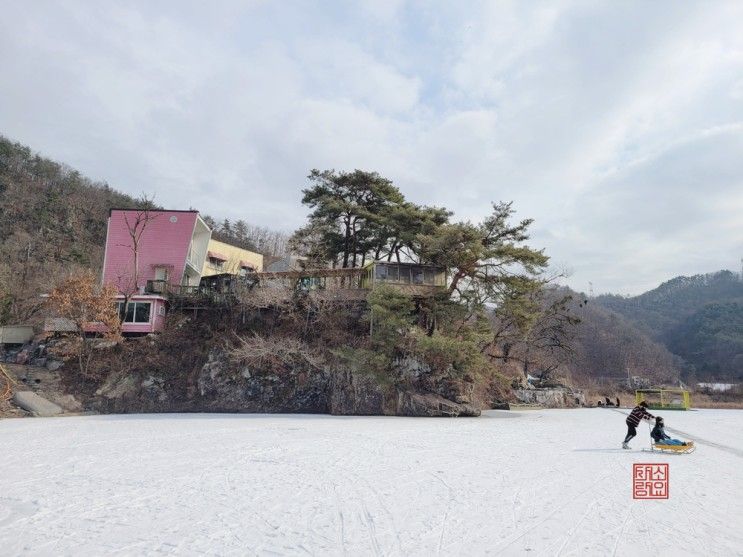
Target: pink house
[{"x": 151, "y": 253}]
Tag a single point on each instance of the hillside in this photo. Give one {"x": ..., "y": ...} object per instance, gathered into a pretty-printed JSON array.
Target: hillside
[
  {"x": 607, "y": 345},
  {"x": 52, "y": 221},
  {"x": 698, "y": 318}
]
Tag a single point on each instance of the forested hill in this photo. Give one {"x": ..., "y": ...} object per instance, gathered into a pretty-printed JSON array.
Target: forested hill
[
  {"x": 698, "y": 318},
  {"x": 52, "y": 221}
]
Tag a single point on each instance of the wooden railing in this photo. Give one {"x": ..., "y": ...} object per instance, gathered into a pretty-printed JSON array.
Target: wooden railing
[{"x": 164, "y": 288}]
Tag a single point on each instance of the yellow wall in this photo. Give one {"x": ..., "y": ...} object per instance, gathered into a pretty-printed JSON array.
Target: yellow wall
[{"x": 234, "y": 256}]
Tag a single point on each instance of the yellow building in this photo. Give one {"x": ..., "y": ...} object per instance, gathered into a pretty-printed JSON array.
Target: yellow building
[{"x": 224, "y": 258}]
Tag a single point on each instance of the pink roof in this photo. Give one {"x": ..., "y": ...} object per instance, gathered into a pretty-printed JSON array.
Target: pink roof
[{"x": 164, "y": 242}]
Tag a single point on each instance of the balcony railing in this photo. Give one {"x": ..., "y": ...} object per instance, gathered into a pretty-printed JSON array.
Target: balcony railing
[
  {"x": 164, "y": 288},
  {"x": 156, "y": 287}
]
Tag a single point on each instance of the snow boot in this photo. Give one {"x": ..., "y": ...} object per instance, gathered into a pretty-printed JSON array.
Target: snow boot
[{"x": 626, "y": 446}]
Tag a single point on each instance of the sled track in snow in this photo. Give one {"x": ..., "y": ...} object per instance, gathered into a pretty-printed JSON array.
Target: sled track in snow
[{"x": 696, "y": 438}]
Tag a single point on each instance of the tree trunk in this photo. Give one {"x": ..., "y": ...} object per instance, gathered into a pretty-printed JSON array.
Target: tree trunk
[
  {"x": 459, "y": 275},
  {"x": 346, "y": 241}
]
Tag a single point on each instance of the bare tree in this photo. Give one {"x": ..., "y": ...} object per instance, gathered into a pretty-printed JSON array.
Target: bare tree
[{"x": 135, "y": 226}]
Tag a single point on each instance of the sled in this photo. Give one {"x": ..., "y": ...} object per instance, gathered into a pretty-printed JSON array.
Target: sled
[{"x": 673, "y": 449}]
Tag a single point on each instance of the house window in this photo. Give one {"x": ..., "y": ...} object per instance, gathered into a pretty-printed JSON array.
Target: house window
[
  {"x": 161, "y": 273},
  {"x": 136, "y": 312},
  {"x": 216, "y": 260},
  {"x": 245, "y": 268},
  {"x": 417, "y": 274},
  {"x": 216, "y": 263}
]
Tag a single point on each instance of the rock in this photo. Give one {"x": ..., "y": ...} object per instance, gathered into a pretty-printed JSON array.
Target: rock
[
  {"x": 354, "y": 394},
  {"x": 118, "y": 387},
  {"x": 500, "y": 406},
  {"x": 562, "y": 397},
  {"x": 104, "y": 344},
  {"x": 433, "y": 405},
  {"x": 39, "y": 362},
  {"x": 154, "y": 388},
  {"x": 69, "y": 403},
  {"x": 53, "y": 365},
  {"x": 221, "y": 385},
  {"x": 22, "y": 357},
  {"x": 36, "y": 405}
]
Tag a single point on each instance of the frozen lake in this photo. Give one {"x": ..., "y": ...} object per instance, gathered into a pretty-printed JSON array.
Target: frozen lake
[{"x": 537, "y": 482}]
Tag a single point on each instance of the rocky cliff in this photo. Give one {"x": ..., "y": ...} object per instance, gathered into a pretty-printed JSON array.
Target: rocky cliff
[{"x": 222, "y": 386}]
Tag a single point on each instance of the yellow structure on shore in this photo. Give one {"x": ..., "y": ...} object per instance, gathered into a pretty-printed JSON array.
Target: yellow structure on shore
[
  {"x": 223, "y": 258},
  {"x": 664, "y": 399}
]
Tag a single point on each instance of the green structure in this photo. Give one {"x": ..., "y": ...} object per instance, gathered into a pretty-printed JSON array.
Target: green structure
[{"x": 664, "y": 399}]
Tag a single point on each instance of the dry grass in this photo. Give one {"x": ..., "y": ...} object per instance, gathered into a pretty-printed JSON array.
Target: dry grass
[
  {"x": 276, "y": 353},
  {"x": 703, "y": 400}
]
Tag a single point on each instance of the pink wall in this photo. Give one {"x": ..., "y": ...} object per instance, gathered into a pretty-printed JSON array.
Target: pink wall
[{"x": 163, "y": 242}]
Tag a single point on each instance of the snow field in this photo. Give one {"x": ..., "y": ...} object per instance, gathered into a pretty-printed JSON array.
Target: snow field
[{"x": 552, "y": 482}]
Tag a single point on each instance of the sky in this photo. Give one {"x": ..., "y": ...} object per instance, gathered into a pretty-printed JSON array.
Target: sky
[{"x": 616, "y": 126}]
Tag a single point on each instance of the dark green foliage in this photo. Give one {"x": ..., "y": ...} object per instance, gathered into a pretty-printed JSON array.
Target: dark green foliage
[
  {"x": 391, "y": 315},
  {"x": 489, "y": 262},
  {"x": 696, "y": 317},
  {"x": 452, "y": 356},
  {"x": 712, "y": 341},
  {"x": 359, "y": 217}
]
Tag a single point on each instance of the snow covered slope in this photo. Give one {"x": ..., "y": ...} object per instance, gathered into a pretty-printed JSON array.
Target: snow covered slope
[{"x": 537, "y": 483}]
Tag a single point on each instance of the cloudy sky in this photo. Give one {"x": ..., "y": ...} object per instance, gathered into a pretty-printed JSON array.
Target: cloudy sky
[{"x": 617, "y": 126}]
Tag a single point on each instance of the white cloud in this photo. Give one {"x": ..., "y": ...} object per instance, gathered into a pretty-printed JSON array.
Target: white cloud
[{"x": 617, "y": 126}]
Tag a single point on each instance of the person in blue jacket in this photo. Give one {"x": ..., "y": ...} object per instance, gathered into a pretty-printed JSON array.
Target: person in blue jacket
[{"x": 659, "y": 435}]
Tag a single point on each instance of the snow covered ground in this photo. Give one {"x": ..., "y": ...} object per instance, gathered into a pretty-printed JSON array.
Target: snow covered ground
[{"x": 537, "y": 483}]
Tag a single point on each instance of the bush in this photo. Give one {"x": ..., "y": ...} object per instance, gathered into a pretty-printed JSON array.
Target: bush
[
  {"x": 391, "y": 314},
  {"x": 449, "y": 355}
]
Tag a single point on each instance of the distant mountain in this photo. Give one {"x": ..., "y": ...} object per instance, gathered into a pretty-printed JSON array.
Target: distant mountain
[
  {"x": 607, "y": 346},
  {"x": 698, "y": 318}
]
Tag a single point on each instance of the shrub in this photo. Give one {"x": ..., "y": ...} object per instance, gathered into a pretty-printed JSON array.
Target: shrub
[{"x": 449, "y": 355}]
